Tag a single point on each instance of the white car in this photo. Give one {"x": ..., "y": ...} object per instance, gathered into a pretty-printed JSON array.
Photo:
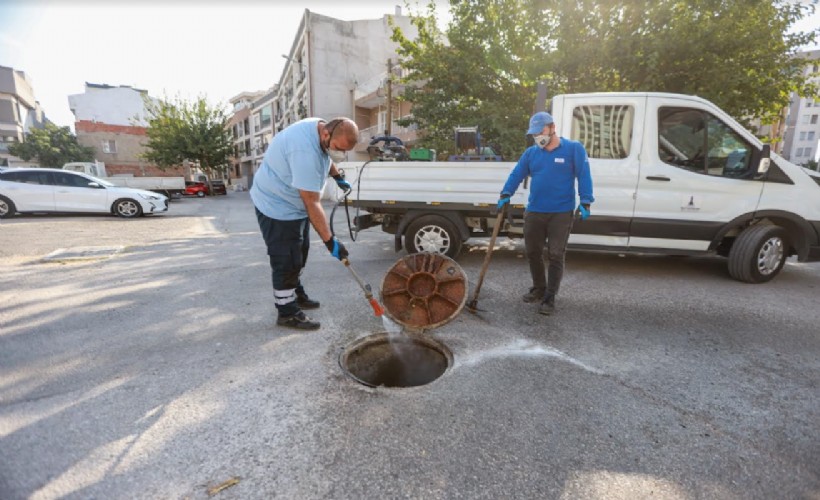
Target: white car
[{"x": 25, "y": 190}]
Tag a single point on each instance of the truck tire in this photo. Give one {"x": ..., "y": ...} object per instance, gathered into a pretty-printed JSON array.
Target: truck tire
[
  {"x": 7, "y": 208},
  {"x": 758, "y": 254},
  {"x": 127, "y": 208},
  {"x": 434, "y": 234}
]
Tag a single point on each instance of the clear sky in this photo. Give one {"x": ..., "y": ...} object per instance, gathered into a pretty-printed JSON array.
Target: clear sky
[
  {"x": 218, "y": 48},
  {"x": 174, "y": 47}
]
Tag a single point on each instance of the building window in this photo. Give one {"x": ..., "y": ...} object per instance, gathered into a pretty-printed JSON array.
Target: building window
[
  {"x": 808, "y": 152},
  {"x": 811, "y": 135},
  {"x": 109, "y": 146},
  {"x": 266, "y": 116},
  {"x": 802, "y": 136},
  {"x": 798, "y": 153},
  {"x": 813, "y": 119},
  {"x": 805, "y": 119}
]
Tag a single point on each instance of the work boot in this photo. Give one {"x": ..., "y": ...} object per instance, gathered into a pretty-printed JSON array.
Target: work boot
[
  {"x": 534, "y": 295},
  {"x": 299, "y": 321},
  {"x": 306, "y": 302},
  {"x": 547, "y": 305}
]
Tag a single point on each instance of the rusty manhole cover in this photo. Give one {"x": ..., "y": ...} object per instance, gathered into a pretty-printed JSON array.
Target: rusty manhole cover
[{"x": 424, "y": 290}]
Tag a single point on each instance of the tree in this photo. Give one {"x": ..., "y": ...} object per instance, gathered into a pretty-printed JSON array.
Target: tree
[
  {"x": 195, "y": 131},
  {"x": 483, "y": 70},
  {"x": 52, "y": 146}
]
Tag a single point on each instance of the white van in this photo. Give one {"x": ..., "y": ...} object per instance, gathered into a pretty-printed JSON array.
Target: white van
[{"x": 671, "y": 174}]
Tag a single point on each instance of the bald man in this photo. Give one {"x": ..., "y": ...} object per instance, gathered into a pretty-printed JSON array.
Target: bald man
[{"x": 286, "y": 192}]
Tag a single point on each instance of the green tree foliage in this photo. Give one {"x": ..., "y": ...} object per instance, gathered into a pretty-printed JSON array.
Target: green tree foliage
[
  {"x": 179, "y": 130},
  {"x": 484, "y": 69},
  {"x": 51, "y": 146}
]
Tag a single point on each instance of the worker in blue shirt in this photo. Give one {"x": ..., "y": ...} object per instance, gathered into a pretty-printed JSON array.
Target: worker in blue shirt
[
  {"x": 286, "y": 193},
  {"x": 554, "y": 163}
]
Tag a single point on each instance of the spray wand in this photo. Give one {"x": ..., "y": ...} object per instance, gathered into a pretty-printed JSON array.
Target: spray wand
[{"x": 378, "y": 310}]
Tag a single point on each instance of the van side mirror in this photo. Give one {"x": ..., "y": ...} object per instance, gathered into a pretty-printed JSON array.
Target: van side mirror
[{"x": 765, "y": 160}]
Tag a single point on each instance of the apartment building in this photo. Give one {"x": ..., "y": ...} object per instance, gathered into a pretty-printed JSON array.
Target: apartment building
[
  {"x": 112, "y": 120},
  {"x": 336, "y": 68},
  {"x": 801, "y": 141},
  {"x": 240, "y": 124},
  {"x": 19, "y": 113}
]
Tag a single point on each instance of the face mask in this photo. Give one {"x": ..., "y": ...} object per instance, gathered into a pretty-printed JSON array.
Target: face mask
[
  {"x": 542, "y": 140},
  {"x": 337, "y": 156}
]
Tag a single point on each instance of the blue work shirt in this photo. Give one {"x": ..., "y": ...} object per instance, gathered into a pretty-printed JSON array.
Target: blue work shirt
[
  {"x": 294, "y": 161},
  {"x": 553, "y": 173}
]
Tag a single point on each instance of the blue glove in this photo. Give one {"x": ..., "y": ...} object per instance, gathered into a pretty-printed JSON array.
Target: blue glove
[
  {"x": 336, "y": 248},
  {"x": 583, "y": 211},
  {"x": 505, "y": 198},
  {"x": 342, "y": 183}
]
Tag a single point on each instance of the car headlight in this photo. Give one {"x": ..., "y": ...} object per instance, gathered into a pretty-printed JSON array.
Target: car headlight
[{"x": 149, "y": 196}]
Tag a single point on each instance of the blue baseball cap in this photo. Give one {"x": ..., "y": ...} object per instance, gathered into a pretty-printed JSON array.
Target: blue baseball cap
[{"x": 539, "y": 121}]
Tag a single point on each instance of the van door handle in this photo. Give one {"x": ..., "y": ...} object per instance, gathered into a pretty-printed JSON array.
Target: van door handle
[{"x": 658, "y": 178}]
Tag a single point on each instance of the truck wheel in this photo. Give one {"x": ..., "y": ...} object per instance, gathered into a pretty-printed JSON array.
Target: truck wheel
[
  {"x": 758, "y": 254},
  {"x": 434, "y": 234},
  {"x": 127, "y": 208},
  {"x": 7, "y": 208}
]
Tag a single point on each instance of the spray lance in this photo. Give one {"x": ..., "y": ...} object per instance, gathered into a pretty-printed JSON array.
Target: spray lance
[{"x": 378, "y": 310}]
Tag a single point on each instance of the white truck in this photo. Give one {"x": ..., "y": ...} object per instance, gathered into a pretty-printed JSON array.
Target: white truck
[
  {"x": 168, "y": 186},
  {"x": 672, "y": 174}
]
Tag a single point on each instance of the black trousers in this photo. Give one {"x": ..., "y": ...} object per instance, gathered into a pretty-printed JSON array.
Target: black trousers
[
  {"x": 288, "y": 243},
  {"x": 554, "y": 228}
]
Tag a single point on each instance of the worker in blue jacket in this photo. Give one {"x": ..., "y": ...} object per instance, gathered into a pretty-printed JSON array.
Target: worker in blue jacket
[{"x": 554, "y": 163}]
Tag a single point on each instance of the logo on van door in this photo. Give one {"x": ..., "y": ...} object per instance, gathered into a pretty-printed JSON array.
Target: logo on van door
[{"x": 690, "y": 203}]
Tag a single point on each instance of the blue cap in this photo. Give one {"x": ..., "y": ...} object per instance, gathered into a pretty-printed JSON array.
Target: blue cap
[{"x": 539, "y": 121}]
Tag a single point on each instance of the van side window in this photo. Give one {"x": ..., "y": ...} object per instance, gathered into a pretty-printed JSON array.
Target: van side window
[
  {"x": 697, "y": 141},
  {"x": 605, "y": 131}
]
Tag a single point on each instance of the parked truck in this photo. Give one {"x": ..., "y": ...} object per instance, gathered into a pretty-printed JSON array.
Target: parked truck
[
  {"x": 672, "y": 174},
  {"x": 168, "y": 186}
]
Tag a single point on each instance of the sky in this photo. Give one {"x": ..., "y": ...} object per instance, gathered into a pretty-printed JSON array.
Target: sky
[
  {"x": 216, "y": 48},
  {"x": 188, "y": 48}
]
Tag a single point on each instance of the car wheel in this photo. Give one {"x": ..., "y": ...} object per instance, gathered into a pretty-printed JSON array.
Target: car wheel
[
  {"x": 7, "y": 208},
  {"x": 758, "y": 254},
  {"x": 433, "y": 234},
  {"x": 127, "y": 208},
  {"x": 200, "y": 194}
]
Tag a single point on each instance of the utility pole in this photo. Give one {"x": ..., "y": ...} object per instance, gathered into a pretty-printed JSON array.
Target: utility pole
[{"x": 388, "y": 125}]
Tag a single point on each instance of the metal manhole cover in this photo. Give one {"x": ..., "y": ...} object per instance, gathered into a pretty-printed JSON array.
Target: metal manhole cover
[{"x": 424, "y": 290}]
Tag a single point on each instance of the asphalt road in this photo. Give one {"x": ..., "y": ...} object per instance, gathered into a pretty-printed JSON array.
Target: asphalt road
[{"x": 159, "y": 373}]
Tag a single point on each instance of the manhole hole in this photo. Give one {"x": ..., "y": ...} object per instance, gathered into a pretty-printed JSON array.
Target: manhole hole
[{"x": 395, "y": 360}]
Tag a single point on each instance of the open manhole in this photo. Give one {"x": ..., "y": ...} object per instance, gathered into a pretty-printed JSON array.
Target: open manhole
[{"x": 395, "y": 360}]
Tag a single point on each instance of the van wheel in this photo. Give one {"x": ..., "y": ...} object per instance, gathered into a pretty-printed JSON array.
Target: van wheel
[
  {"x": 7, "y": 208},
  {"x": 758, "y": 254},
  {"x": 433, "y": 234},
  {"x": 127, "y": 208}
]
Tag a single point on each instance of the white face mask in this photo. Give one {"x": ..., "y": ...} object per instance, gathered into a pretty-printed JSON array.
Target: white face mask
[
  {"x": 337, "y": 156},
  {"x": 542, "y": 140}
]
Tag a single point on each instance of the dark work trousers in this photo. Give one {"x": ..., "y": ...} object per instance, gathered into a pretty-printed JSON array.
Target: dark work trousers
[
  {"x": 288, "y": 243},
  {"x": 554, "y": 228}
]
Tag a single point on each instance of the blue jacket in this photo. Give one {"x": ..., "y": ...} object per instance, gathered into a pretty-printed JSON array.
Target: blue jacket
[{"x": 553, "y": 177}]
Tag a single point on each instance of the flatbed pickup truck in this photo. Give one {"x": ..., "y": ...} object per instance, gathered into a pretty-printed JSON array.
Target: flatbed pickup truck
[{"x": 672, "y": 174}]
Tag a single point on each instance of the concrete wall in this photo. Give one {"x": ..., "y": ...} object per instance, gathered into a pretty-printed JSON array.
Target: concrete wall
[
  {"x": 114, "y": 106},
  {"x": 343, "y": 53}
]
